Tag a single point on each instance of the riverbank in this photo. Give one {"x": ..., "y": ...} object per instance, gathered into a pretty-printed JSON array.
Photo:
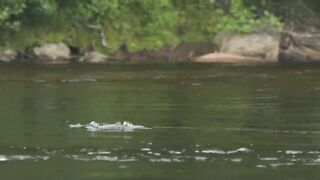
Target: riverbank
[{"x": 259, "y": 46}]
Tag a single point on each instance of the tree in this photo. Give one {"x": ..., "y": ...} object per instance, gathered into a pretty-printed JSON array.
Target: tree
[{"x": 9, "y": 14}]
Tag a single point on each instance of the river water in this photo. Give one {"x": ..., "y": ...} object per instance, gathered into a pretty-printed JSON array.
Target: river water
[{"x": 206, "y": 122}]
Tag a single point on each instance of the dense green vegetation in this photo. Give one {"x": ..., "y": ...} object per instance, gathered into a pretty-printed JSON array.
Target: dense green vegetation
[{"x": 107, "y": 24}]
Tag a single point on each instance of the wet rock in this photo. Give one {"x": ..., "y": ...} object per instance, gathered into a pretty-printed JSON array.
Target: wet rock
[
  {"x": 8, "y": 55},
  {"x": 52, "y": 53},
  {"x": 94, "y": 57},
  {"x": 299, "y": 49},
  {"x": 262, "y": 45}
]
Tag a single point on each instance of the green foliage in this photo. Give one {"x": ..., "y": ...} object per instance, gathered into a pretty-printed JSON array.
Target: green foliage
[
  {"x": 9, "y": 12},
  {"x": 154, "y": 22},
  {"x": 95, "y": 11},
  {"x": 137, "y": 23},
  {"x": 42, "y": 6},
  {"x": 243, "y": 19}
]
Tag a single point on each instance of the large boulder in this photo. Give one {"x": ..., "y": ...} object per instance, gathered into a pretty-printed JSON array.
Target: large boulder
[
  {"x": 299, "y": 48},
  {"x": 94, "y": 57},
  {"x": 52, "y": 53},
  {"x": 8, "y": 55},
  {"x": 261, "y": 45}
]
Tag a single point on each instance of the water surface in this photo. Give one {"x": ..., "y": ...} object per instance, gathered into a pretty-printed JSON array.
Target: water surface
[{"x": 208, "y": 122}]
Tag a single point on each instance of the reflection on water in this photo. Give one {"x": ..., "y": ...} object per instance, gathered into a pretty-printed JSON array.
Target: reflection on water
[{"x": 226, "y": 122}]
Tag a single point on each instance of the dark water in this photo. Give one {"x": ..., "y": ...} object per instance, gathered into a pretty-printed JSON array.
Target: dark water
[{"x": 208, "y": 122}]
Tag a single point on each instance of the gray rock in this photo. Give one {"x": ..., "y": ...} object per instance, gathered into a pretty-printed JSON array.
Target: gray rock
[
  {"x": 261, "y": 45},
  {"x": 55, "y": 53},
  {"x": 94, "y": 57},
  {"x": 8, "y": 55},
  {"x": 299, "y": 49}
]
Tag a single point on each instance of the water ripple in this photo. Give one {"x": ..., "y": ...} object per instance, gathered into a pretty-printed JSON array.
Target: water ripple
[
  {"x": 272, "y": 131},
  {"x": 196, "y": 153}
]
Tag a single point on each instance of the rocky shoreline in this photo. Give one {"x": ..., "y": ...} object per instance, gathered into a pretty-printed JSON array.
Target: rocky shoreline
[{"x": 261, "y": 46}]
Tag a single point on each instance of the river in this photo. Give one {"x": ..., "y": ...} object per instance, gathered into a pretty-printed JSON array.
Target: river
[{"x": 206, "y": 121}]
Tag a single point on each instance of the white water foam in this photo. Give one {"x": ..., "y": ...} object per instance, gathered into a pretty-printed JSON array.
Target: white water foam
[
  {"x": 281, "y": 164},
  {"x": 293, "y": 152},
  {"x": 175, "y": 152},
  {"x": 213, "y": 151},
  {"x": 99, "y": 153},
  {"x": 145, "y": 149},
  {"x": 166, "y": 160},
  {"x": 200, "y": 158},
  {"x": 4, "y": 158},
  {"x": 219, "y": 151},
  {"x": 94, "y": 126},
  {"x": 269, "y": 159}
]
